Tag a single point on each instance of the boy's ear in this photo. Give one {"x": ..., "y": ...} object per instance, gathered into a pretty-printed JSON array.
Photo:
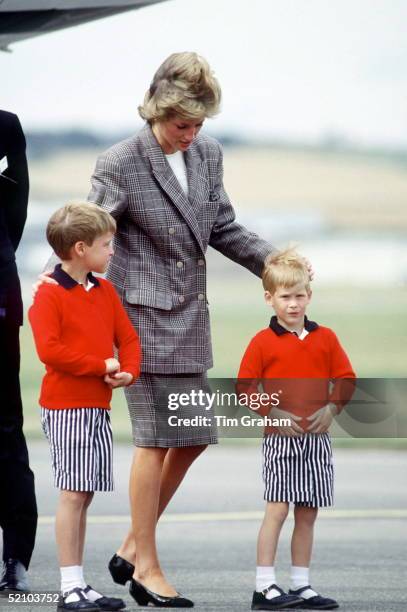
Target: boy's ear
[
  {"x": 309, "y": 295},
  {"x": 268, "y": 298},
  {"x": 79, "y": 248}
]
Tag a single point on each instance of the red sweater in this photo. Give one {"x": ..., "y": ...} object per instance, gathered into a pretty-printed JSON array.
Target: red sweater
[
  {"x": 310, "y": 364},
  {"x": 75, "y": 331}
]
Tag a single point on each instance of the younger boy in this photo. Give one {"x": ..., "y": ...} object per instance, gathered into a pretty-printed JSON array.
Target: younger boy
[
  {"x": 76, "y": 322},
  {"x": 297, "y": 458}
]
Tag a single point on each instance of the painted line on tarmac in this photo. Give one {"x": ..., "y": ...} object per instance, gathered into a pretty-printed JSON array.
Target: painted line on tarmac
[{"x": 206, "y": 517}]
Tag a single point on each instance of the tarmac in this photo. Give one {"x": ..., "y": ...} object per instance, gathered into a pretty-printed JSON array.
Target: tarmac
[{"x": 207, "y": 537}]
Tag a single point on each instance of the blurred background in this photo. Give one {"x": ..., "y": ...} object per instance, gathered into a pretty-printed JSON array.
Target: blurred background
[{"x": 314, "y": 129}]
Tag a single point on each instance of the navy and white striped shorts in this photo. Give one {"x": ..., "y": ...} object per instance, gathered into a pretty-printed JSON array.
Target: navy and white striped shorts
[
  {"x": 81, "y": 447},
  {"x": 298, "y": 469}
]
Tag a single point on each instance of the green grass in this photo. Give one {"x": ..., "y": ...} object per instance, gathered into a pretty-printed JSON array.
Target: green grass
[{"x": 370, "y": 323}]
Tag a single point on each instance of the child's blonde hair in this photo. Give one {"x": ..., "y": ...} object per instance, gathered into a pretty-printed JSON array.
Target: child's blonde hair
[
  {"x": 285, "y": 269},
  {"x": 76, "y": 222}
]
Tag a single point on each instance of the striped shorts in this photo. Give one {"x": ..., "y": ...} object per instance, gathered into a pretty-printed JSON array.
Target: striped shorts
[
  {"x": 81, "y": 447},
  {"x": 298, "y": 469}
]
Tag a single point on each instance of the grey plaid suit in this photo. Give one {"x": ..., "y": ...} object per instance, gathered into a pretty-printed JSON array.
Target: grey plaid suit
[{"x": 159, "y": 264}]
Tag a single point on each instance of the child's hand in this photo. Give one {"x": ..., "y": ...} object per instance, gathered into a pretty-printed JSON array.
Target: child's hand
[
  {"x": 321, "y": 419},
  {"x": 120, "y": 379},
  {"x": 112, "y": 365},
  {"x": 43, "y": 278},
  {"x": 287, "y": 430}
]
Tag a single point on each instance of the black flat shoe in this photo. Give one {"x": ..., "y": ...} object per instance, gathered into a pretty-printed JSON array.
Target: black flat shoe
[
  {"x": 280, "y": 602},
  {"x": 82, "y": 604},
  {"x": 108, "y": 604},
  {"x": 144, "y": 597},
  {"x": 120, "y": 570},
  {"x": 314, "y": 603}
]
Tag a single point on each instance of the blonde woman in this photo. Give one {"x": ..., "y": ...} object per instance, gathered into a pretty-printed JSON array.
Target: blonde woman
[{"x": 164, "y": 188}]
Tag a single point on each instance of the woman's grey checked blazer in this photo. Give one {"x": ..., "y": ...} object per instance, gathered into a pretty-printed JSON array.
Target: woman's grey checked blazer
[{"x": 159, "y": 266}]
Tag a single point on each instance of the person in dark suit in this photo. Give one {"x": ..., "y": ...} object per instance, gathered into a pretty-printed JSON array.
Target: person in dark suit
[{"x": 18, "y": 508}]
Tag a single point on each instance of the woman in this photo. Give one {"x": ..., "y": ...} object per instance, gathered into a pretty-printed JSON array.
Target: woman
[{"x": 164, "y": 188}]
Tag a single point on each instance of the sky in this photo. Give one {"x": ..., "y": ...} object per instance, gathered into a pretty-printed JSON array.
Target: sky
[{"x": 299, "y": 70}]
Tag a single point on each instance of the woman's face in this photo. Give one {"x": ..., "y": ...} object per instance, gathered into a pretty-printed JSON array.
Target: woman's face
[{"x": 176, "y": 134}]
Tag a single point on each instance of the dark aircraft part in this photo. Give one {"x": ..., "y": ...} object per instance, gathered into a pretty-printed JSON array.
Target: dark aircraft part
[{"x": 19, "y": 25}]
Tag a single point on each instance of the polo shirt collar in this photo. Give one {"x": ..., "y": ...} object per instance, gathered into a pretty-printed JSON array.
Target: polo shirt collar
[
  {"x": 66, "y": 281},
  {"x": 280, "y": 330}
]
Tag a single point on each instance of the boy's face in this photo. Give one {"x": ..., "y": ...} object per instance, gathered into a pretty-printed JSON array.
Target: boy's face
[
  {"x": 96, "y": 256},
  {"x": 289, "y": 304}
]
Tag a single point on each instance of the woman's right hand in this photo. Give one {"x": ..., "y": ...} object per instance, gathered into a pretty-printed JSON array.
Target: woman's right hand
[
  {"x": 43, "y": 278},
  {"x": 112, "y": 365}
]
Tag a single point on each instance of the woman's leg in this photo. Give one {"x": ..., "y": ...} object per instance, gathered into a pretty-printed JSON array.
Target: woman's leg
[
  {"x": 176, "y": 464},
  {"x": 145, "y": 479}
]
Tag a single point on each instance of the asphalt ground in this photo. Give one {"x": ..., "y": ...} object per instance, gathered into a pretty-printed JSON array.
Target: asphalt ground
[{"x": 207, "y": 538}]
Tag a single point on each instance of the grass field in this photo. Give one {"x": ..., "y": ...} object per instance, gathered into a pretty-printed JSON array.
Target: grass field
[
  {"x": 349, "y": 190},
  {"x": 371, "y": 324}
]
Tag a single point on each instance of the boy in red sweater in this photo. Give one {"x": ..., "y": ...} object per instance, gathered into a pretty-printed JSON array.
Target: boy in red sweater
[
  {"x": 297, "y": 456},
  {"x": 76, "y": 323}
]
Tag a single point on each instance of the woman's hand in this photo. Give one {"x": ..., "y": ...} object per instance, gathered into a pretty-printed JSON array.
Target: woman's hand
[
  {"x": 286, "y": 430},
  {"x": 309, "y": 268},
  {"x": 43, "y": 278},
  {"x": 120, "y": 379},
  {"x": 321, "y": 419}
]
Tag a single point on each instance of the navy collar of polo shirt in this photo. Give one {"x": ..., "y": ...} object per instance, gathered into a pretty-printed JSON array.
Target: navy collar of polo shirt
[
  {"x": 280, "y": 330},
  {"x": 66, "y": 281}
]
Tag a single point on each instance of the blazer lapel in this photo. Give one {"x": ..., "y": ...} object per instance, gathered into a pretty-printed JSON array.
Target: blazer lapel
[
  {"x": 193, "y": 162},
  {"x": 168, "y": 183}
]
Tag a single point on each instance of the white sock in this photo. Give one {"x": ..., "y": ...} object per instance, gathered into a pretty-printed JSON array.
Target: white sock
[
  {"x": 83, "y": 583},
  {"x": 93, "y": 595},
  {"x": 71, "y": 578},
  {"x": 299, "y": 578},
  {"x": 265, "y": 577}
]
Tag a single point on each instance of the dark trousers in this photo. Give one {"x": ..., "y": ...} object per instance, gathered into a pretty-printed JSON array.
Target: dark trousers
[{"x": 18, "y": 508}]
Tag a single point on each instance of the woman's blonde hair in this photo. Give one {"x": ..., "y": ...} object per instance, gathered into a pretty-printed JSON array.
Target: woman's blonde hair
[
  {"x": 77, "y": 222},
  {"x": 285, "y": 269},
  {"x": 184, "y": 85}
]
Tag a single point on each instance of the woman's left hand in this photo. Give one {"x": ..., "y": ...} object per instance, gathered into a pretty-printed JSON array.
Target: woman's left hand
[
  {"x": 120, "y": 379},
  {"x": 310, "y": 268}
]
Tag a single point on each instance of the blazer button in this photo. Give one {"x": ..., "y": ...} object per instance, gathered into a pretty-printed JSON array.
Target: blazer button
[
  {"x": 171, "y": 230},
  {"x": 201, "y": 262},
  {"x": 180, "y": 264},
  {"x": 201, "y": 296},
  {"x": 181, "y": 299}
]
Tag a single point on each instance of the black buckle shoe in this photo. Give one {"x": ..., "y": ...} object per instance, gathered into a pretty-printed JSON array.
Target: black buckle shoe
[
  {"x": 120, "y": 570},
  {"x": 108, "y": 604},
  {"x": 14, "y": 577},
  {"x": 284, "y": 600},
  {"x": 144, "y": 597},
  {"x": 83, "y": 604},
  {"x": 316, "y": 602}
]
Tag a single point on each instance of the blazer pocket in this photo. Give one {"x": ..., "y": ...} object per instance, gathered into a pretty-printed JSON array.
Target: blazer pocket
[{"x": 153, "y": 299}]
